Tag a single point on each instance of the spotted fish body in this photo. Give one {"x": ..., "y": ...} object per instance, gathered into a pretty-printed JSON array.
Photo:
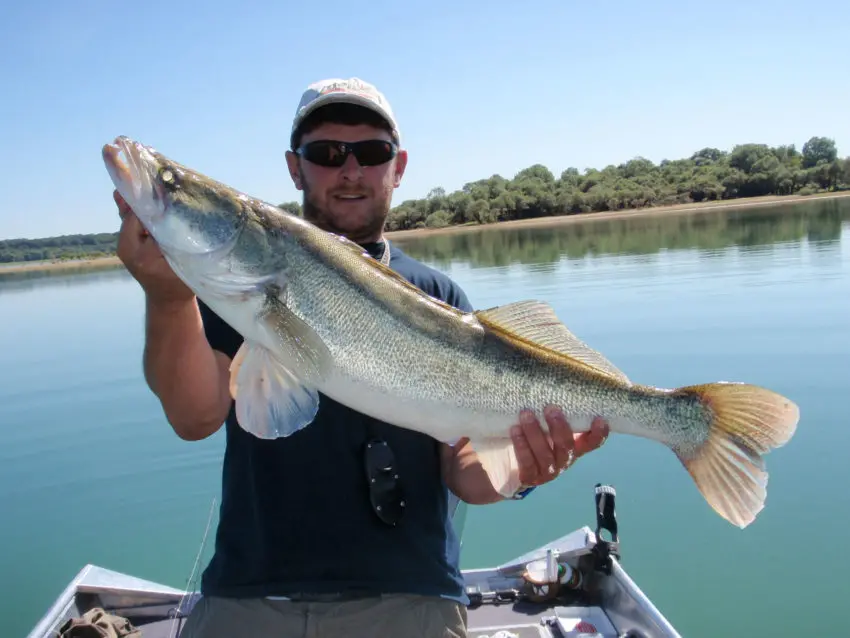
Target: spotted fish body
[{"x": 319, "y": 315}]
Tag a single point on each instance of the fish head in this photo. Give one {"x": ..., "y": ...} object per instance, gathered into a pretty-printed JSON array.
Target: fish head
[{"x": 185, "y": 211}]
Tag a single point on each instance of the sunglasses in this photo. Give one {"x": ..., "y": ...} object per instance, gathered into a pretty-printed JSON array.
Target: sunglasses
[
  {"x": 333, "y": 154},
  {"x": 385, "y": 491}
]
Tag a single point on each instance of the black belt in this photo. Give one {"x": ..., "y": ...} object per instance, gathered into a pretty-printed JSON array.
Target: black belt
[{"x": 329, "y": 597}]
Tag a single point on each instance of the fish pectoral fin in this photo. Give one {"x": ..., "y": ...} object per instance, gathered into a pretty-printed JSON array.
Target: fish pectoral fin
[
  {"x": 276, "y": 392},
  {"x": 537, "y": 322},
  {"x": 302, "y": 350},
  {"x": 271, "y": 400},
  {"x": 499, "y": 460}
]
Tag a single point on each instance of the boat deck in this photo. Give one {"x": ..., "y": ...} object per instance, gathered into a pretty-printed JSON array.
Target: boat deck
[
  {"x": 573, "y": 586},
  {"x": 523, "y": 619}
]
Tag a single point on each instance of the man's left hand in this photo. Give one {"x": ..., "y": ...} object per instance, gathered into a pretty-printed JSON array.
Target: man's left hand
[{"x": 543, "y": 456}]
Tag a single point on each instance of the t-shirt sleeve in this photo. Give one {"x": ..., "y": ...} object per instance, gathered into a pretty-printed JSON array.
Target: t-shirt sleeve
[
  {"x": 457, "y": 298},
  {"x": 442, "y": 287}
]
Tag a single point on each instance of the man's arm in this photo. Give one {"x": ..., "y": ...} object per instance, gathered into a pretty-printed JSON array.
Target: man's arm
[
  {"x": 541, "y": 458},
  {"x": 190, "y": 379},
  {"x": 464, "y": 475}
]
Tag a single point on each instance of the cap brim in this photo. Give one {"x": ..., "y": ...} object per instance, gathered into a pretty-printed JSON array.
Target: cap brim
[{"x": 342, "y": 98}]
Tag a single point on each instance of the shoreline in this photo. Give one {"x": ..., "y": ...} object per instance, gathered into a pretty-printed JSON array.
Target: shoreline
[
  {"x": 112, "y": 261},
  {"x": 608, "y": 215},
  {"x": 59, "y": 265}
]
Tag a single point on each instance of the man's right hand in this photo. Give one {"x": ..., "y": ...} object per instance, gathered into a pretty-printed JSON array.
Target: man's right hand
[{"x": 143, "y": 259}]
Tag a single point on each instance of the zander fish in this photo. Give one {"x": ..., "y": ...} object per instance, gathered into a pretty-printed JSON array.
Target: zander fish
[{"x": 319, "y": 315}]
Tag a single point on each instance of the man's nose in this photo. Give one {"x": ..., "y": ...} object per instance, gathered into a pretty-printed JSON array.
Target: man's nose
[{"x": 351, "y": 169}]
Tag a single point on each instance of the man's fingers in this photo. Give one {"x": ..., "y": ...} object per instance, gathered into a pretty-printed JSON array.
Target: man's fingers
[
  {"x": 593, "y": 438},
  {"x": 131, "y": 232},
  {"x": 539, "y": 443},
  {"x": 460, "y": 442},
  {"x": 126, "y": 213},
  {"x": 541, "y": 457},
  {"x": 123, "y": 206},
  {"x": 528, "y": 470},
  {"x": 563, "y": 441}
]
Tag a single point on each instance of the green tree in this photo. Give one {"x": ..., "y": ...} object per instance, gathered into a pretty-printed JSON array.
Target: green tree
[
  {"x": 817, "y": 150},
  {"x": 709, "y": 174}
]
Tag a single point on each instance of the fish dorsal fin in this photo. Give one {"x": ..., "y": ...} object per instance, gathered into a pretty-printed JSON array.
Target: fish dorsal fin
[{"x": 536, "y": 321}]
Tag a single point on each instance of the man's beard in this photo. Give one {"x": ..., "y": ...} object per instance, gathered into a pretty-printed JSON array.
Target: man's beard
[{"x": 324, "y": 220}]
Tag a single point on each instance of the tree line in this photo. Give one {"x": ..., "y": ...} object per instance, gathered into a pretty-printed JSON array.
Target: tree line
[
  {"x": 83, "y": 246},
  {"x": 748, "y": 170},
  {"x": 710, "y": 174}
]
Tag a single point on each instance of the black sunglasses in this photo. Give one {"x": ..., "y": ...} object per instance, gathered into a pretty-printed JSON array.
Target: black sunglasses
[
  {"x": 332, "y": 153},
  {"x": 385, "y": 491}
]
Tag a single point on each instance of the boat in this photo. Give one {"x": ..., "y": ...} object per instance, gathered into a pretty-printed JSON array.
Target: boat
[{"x": 571, "y": 587}]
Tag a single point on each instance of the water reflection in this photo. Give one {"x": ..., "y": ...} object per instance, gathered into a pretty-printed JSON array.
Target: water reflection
[
  {"x": 20, "y": 281},
  {"x": 641, "y": 238},
  {"x": 819, "y": 222}
]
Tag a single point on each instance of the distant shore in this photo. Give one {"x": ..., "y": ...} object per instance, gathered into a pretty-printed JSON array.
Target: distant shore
[
  {"x": 650, "y": 211},
  {"x": 58, "y": 265}
]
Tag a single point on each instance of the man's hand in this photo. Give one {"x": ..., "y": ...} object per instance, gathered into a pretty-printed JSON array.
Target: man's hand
[
  {"x": 143, "y": 259},
  {"x": 536, "y": 450},
  {"x": 543, "y": 456}
]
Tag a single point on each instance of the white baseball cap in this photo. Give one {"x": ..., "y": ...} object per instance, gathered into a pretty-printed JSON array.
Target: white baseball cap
[{"x": 350, "y": 91}]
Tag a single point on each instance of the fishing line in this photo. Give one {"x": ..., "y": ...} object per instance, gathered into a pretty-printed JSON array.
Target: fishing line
[{"x": 191, "y": 583}]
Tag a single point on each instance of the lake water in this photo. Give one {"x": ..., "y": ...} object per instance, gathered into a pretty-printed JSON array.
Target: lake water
[{"x": 91, "y": 472}]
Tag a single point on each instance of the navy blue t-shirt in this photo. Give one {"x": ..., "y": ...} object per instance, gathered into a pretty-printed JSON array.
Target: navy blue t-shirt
[{"x": 295, "y": 513}]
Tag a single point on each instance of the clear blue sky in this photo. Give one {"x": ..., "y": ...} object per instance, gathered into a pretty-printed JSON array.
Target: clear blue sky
[{"x": 479, "y": 87}]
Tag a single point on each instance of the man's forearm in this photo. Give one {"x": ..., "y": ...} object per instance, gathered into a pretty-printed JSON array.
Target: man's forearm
[
  {"x": 464, "y": 475},
  {"x": 183, "y": 370}
]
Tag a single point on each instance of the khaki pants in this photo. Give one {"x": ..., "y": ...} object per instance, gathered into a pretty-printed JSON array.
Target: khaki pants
[{"x": 405, "y": 616}]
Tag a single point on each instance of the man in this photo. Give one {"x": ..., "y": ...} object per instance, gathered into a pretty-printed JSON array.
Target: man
[{"x": 302, "y": 547}]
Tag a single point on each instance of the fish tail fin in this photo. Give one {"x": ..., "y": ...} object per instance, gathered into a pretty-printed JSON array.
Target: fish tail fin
[{"x": 728, "y": 468}]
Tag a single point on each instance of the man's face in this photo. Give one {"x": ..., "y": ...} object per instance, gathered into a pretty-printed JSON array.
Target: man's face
[{"x": 351, "y": 199}]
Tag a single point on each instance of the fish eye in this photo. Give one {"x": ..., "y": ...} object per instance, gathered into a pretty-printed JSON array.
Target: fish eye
[{"x": 168, "y": 177}]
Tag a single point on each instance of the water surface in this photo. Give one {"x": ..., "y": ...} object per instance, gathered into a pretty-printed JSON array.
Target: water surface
[{"x": 91, "y": 472}]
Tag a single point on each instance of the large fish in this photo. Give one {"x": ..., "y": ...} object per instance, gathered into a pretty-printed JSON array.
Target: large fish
[{"x": 319, "y": 315}]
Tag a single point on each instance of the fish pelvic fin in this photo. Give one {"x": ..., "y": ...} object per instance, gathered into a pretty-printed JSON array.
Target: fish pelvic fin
[
  {"x": 536, "y": 323},
  {"x": 276, "y": 392},
  {"x": 498, "y": 458},
  {"x": 728, "y": 468}
]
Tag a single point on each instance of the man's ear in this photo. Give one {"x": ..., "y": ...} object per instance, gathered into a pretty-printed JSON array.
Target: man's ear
[
  {"x": 294, "y": 169},
  {"x": 400, "y": 166}
]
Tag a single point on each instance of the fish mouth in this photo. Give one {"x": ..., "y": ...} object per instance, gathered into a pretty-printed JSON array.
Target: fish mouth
[
  {"x": 180, "y": 229},
  {"x": 125, "y": 171},
  {"x": 129, "y": 165}
]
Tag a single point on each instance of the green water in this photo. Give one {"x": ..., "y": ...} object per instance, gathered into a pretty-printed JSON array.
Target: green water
[{"x": 90, "y": 471}]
